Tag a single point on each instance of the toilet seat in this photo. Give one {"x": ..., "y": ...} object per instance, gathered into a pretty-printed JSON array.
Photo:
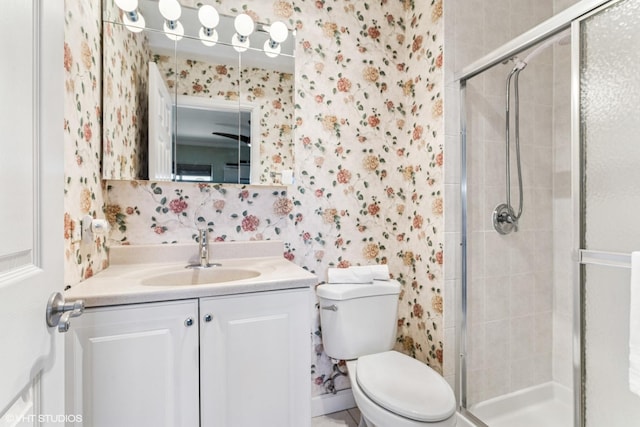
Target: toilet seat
[{"x": 405, "y": 386}]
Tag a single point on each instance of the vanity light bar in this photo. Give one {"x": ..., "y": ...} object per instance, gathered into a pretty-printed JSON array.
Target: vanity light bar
[{"x": 171, "y": 10}]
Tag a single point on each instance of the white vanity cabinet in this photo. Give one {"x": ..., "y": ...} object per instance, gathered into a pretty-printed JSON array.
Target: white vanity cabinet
[
  {"x": 226, "y": 361},
  {"x": 134, "y": 365},
  {"x": 255, "y": 359}
]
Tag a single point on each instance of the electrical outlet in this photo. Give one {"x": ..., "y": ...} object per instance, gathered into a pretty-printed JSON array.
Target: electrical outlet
[{"x": 76, "y": 231}]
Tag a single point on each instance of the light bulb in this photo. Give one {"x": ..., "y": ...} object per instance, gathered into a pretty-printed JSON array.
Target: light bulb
[
  {"x": 244, "y": 24},
  {"x": 127, "y": 5},
  {"x": 208, "y": 40},
  {"x": 175, "y": 33},
  {"x": 134, "y": 27},
  {"x": 208, "y": 16},
  {"x": 238, "y": 45},
  {"x": 270, "y": 51},
  {"x": 278, "y": 32},
  {"x": 170, "y": 9}
]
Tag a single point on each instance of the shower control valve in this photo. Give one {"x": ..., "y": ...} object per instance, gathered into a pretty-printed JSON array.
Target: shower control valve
[{"x": 504, "y": 219}]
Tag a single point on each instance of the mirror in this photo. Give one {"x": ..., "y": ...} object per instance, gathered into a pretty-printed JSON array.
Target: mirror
[
  {"x": 220, "y": 131},
  {"x": 225, "y": 116}
]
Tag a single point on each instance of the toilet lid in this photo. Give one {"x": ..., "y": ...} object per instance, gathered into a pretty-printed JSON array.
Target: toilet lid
[{"x": 405, "y": 386}]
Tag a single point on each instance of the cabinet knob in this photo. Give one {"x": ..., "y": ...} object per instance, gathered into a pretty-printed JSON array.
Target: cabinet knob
[
  {"x": 208, "y": 317},
  {"x": 188, "y": 322}
]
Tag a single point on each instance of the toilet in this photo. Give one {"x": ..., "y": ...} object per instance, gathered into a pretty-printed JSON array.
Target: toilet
[{"x": 391, "y": 389}]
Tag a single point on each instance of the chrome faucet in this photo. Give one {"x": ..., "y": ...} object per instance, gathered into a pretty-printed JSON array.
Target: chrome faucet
[
  {"x": 203, "y": 252},
  {"x": 204, "y": 248}
]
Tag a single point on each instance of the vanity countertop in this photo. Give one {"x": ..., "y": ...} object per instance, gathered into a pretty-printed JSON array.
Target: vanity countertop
[{"x": 123, "y": 281}]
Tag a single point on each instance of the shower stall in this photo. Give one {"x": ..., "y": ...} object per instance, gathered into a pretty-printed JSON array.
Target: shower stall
[{"x": 550, "y": 201}]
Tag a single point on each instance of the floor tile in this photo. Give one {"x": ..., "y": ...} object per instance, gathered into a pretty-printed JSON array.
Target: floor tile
[
  {"x": 355, "y": 414},
  {"x": 342, "y": 418}
]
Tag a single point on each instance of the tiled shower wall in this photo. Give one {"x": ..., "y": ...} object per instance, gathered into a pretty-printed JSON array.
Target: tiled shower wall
[
  {"x": 518, "y": 329},
  {"x": 509, "y": 276}
]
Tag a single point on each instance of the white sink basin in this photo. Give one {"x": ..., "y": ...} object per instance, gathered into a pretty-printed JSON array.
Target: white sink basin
[{"x": 200, "y": 276}]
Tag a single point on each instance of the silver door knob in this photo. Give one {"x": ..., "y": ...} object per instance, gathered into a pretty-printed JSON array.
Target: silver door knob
[
  {"x": 59, "y": 312},
  {"x": 188, "y": 322},
  {"x": 208, "y": 317}
]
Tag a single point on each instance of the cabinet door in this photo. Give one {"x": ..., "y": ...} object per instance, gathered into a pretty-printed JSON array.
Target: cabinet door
[
  {"x": 255, "y": 360},
  {"x": 134, "y": 366}
]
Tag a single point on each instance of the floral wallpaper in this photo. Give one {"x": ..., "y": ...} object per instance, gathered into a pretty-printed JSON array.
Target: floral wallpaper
[
  {"x": 145, "y": 212},
  {"x": 83, "y": 192},
  {"x": 369, "y": 153},
  {"x": 272, "y": 91},
  {"x": 125, "y": 100},
  {"x": 368, "y": 140}
]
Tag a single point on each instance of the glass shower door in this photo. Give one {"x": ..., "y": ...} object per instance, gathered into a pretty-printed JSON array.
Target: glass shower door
[{"x": 609, "y": 66}]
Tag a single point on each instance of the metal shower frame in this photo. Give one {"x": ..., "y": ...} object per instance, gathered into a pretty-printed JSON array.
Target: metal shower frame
[{"x": 569, "y": 18}]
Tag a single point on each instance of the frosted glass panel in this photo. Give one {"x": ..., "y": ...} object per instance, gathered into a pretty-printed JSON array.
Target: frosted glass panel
[
  {"x": 608, "y": 399},
  {"x": 610, "y": 104},
  {"x": 610, "y": 124}
]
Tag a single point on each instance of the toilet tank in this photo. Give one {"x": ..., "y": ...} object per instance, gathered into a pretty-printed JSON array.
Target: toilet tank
[{"x": 358, "y": 319}]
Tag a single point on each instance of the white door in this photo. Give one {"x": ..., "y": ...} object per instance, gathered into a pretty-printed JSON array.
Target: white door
[
  {"x": 31, "y": 200},
  {"x": 160, "y": 127}
]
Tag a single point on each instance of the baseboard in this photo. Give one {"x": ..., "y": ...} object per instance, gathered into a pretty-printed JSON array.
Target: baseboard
[{"x": 329, "y": 403}]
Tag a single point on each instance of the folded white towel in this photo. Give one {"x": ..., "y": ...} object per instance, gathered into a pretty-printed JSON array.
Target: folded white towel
[
  {"x": 349, "y": 275},
  {"x": 365, "y": 274},
  {"x": 380, "y": 271},
  {"x": 634, "y": 325}
]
